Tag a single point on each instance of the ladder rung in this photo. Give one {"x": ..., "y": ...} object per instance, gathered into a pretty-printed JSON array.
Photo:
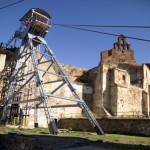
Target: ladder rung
[
  {"x": 26, "y": 74},
  {"x": 24, "y": 55},
  {"x": 50, "y": 73},
  {"x": 53, "y": 81},
  {"x": 20, "y": 80}
]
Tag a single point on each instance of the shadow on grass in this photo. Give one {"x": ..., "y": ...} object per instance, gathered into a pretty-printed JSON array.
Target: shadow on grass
[
  {"x": 118, "y": 146},
  {"x": 15, "y": 141}
]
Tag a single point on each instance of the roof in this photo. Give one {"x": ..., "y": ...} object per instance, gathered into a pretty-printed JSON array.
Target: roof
[{"x": 38, "y": 10}]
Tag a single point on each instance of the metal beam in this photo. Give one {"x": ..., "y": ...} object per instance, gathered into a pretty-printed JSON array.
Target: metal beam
[
  {"x": 26, "y": 101},
  {"x": 58, "y": 88},
  {"x": 44, "y": 62},
  {"x": 58, "y": 106},
  {"x": 25, "y": 75},
  {"x": 51, "y": 73},
  {"x": 62, "y": 97},
  {"x": 21, "y": 87},
  {"x": 53, "y": 81},
  {"x": 47, "y": 69}
]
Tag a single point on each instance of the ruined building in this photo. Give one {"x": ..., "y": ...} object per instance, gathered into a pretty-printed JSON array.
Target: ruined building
[
  {"x": 121, "y": 86},
  {"x": 117, "y": 87}
]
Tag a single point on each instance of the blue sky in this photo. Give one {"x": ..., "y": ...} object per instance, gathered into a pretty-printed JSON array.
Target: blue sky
[{"x": 80, "y": 48}]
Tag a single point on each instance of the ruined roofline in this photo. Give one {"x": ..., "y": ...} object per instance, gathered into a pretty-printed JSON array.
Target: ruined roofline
[
  {"x": 75, "y": 67},
  {"x": 73, "y": 71},
  {"x": 120, "y": 53},
  {"x": 120, "y": 45}
]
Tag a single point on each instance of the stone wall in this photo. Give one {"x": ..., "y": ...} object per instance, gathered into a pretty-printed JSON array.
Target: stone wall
[
  {"x": 129, "y": 102},
  {"x": 101, "y": 93},
  {"x": 146, "y": 77},
  {"x": 126, "y": 100},
  {"x": 135, "y": 72},
  {"x": 119, "y": 126},
  {"x": 146, "y": 90}
]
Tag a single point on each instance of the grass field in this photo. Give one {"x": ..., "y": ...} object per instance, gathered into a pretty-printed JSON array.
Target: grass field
[{"x": 107, "y": 138}]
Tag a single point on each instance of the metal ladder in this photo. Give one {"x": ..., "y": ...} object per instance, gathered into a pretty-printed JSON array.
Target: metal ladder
[
  {"x": 14, "y": 36},
  {"x": 47, "y": 110},
  {"x": 11, "y": 87},
  {"x": 81, "y": 102}
]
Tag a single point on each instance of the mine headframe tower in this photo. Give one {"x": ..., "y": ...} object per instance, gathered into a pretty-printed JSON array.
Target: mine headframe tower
[{"x": 27, "y": 84}]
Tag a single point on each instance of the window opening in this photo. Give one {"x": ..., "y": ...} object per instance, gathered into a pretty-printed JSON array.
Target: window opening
[{"x": 124, "y": 77}]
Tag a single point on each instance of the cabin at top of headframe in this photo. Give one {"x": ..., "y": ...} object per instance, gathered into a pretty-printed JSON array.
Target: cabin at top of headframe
[{"x": 37, "y": 22}]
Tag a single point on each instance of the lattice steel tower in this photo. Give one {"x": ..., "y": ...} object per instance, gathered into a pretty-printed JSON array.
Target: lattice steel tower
[{"x": 30, "y": 85}]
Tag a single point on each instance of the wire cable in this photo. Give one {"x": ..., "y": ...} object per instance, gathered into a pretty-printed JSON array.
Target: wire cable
[
  {"x": 11, "y": 4},
  {"x": 103, "y": 26},
  {"x": 99, "y": 32}
]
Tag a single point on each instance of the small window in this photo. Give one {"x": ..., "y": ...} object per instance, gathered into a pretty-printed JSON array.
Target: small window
[
  {"x": 109, "y": 53},
  {"x": 124, "y": 77}
]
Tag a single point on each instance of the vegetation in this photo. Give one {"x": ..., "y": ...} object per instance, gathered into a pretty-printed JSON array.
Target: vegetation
[
  {"x": 111, "y": 138},
  {"x": 107, "y": 138}
]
